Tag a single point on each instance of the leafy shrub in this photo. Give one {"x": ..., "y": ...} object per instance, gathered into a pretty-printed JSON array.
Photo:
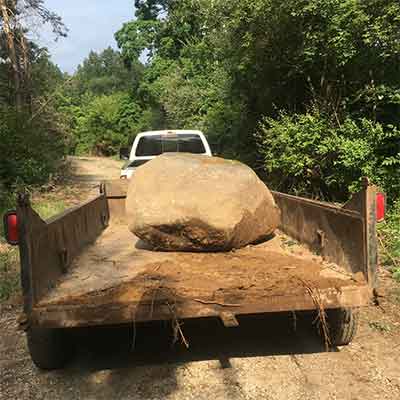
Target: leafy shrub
[
  {"x": 106, "y": 123},
  {"x": 30, "y": 149},
  {"x": 309, "y": 154},
  {"x": 389, "y": 231}
]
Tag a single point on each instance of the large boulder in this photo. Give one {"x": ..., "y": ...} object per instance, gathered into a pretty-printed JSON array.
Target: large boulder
[{"x": 186, "y": 202}]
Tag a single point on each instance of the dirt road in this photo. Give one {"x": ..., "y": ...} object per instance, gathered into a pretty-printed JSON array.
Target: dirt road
[
  {"x": 265, "y": 358},
  {"x": 92, "y": 170}
]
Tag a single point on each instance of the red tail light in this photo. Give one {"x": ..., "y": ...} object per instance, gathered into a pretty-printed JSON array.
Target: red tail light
[
  {"x": 380, "y": 207},
  {"x": 11, "y": 228}
]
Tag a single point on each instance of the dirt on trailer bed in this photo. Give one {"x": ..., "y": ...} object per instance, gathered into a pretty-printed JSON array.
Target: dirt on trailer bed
[{"x": 117, "y": 269}]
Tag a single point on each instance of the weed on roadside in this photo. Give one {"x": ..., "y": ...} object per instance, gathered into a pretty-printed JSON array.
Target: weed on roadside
[
  {"x": 380, "y": 326},
  {"x": 9, "y": 275},
  {"x": 395, "y": 296},
  {"x": 389, "y": 234},
  {"x": 49, "y": 208}
]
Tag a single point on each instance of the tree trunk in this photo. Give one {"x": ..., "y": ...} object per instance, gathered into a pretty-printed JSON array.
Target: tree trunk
[
  {"x": 26, "y": 75},
  {"x": 5, "y": 12}
]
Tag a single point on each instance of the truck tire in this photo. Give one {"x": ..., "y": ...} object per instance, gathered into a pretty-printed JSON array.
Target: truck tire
[
  {"x": 49, "y": 348},
  {"x": 343, "y": 324}
]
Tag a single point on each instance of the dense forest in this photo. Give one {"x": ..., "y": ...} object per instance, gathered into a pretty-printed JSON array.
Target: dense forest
[{"x": 305, "y": 91}]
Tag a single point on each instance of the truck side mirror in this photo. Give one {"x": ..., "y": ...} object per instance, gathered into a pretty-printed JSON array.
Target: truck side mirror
[{"x": 124, "y": 153}]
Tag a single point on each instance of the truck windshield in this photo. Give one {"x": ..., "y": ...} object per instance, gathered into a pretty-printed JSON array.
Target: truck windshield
[{"x": 156, "y": 145}]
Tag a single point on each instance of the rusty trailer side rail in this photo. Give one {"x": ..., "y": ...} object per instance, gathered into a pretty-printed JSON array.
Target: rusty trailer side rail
[
  {"x": 47, "y": 248},
  {"x": 343, "y": 235}
]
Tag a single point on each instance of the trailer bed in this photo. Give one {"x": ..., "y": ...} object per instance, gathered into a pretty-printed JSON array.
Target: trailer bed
[
  {"x": 118, "y": 280},
  {"x": 84, "y": 267}
]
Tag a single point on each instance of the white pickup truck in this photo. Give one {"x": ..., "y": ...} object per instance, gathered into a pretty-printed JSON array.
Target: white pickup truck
[{"x": 148, "y": 145}]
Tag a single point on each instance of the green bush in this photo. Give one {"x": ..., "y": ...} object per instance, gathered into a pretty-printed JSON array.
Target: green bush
[
  {"x": 105, "y": 123},
  {"x": 31, "y": 149},
  {"x": 389, "y": 231},
  {"x": 311, "y": 155}
]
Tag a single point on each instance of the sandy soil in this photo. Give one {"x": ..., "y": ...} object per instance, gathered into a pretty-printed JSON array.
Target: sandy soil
[{"x": 267, "y": 357}]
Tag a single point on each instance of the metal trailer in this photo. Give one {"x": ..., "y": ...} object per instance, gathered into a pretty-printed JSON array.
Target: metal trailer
[{"x": 84, "y": 268}]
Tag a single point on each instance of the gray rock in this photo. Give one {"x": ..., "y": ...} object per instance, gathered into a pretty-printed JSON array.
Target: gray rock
[{"x": 185, "y": 202}]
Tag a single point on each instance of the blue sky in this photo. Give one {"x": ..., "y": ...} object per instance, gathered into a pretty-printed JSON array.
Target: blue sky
[{"x": 91, "y": 23}]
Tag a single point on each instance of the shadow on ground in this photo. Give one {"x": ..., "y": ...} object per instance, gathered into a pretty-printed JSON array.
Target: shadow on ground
[
  {"x": 277, "y": 334},
  {"x": 105, "y": 366}
]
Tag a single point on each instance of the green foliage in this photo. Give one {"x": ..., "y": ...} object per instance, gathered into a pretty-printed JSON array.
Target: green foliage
[
  {"x": 185, "y": 84},
  {"x": 32, "y": 136},
  {"x": 389, "y": 231},
  {"x": 379, "y": 326},
  {"x": 136, "y": 37},
  {"x": 31, "y": 148},
  {"x": 338, "y": 58},
  {"x": 105, "y": 73},
  {"x": 310, "y": 154},
  {"x": 45, "y": 75},
  {"x": 223, "y": 67},
  {"x": 9, "y": 276},
  {"x": 49, "y": 208},
  {"x": 283, "y": 55},
  {"x": 396, "y": 274},
  {"x": 6, "y": 203},
  {"x": 106, "y": 123},
  {"x": 100, "y": 104}
]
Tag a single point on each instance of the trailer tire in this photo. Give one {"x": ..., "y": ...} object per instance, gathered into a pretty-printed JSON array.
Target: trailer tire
[
  {"x": 343, "y": 325},
  {"x": 49, "y": 348}
]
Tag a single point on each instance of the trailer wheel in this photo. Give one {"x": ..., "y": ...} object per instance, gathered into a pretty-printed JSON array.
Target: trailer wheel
[
  {"x": 49, "y": 348},
  {"x": 343, "y": 325}
]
